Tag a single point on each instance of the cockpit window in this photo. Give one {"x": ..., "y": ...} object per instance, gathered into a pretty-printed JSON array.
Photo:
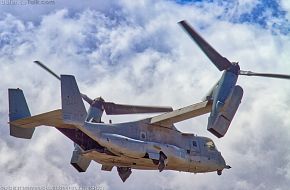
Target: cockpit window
[{"x": 209, "y": 145}]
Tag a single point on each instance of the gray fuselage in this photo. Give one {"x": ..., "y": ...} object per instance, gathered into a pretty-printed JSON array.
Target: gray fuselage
[{"x": 138, "y": 144}]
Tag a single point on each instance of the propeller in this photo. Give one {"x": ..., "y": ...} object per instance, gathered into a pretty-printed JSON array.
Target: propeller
[
  {"x": 85, "y": 97},
  {"x": 226, "y": 88},
  {"x": 270, "y": 75},
  {"x": 110, "y": 107},
  {"x": 218, "y": 60}
]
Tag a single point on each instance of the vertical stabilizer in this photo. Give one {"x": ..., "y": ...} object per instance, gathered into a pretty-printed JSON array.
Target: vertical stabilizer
[
  {"x": 18, "y": 109},
  {"x": 73, "y": 108}
]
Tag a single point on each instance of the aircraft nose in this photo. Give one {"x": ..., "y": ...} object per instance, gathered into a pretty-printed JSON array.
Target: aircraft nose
[{"x": 222, "y": 161}]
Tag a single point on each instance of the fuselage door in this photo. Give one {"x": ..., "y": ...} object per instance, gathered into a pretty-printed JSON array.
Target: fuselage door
[
  {"x": 195, "y": 155},
  {"x": 194, "y": 146}
]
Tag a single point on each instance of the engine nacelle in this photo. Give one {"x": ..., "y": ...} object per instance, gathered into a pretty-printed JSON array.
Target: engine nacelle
[{"x": 218, "y": 124}]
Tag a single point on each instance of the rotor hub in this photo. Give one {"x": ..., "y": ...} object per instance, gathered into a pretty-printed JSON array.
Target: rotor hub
[{"x": 234, "y": 68}]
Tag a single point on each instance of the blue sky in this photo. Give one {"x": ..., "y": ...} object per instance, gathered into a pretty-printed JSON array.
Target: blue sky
[
  {"x": 260, "y": 14},
  {"x": 135, "y": 52}
]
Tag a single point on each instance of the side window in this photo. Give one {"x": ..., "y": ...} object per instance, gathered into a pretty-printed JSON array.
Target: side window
[
  {"x": 194, "y": 146},
  {"x": 143, "y": 135},
  {"x": 209, "y": 145}
]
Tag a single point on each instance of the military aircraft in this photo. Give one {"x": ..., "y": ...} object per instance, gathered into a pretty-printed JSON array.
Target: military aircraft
[{"x": 152, "y": 143}]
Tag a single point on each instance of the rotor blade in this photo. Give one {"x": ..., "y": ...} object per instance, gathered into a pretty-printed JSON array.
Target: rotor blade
[
  {"x": 47, "y": 69},
  {"x": 85, "y": 97},
  {"x": 270, "y": 75},
  {"x": 220, "y": 62},
  {"x": 116, "y": 109}
]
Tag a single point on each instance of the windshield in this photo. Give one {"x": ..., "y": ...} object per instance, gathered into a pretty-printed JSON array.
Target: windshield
[{"x": 209, "y": 144}]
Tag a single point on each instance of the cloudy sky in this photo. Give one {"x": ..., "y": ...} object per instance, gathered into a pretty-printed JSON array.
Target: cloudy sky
[{"x": 134, "y": 52}]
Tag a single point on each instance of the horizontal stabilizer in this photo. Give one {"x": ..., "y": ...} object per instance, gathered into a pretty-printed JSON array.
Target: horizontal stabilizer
[{"x": 52, "y": 118}]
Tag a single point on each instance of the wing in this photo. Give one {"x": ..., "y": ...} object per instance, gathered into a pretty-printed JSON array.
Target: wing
[
  {"x": 116, "y": 109},
  {"x": 168, "y": 119},
  {"x": 52, "y": 118}
]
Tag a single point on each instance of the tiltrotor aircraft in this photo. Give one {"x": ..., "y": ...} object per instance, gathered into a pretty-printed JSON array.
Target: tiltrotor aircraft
[{"x": 148, "y": 144}]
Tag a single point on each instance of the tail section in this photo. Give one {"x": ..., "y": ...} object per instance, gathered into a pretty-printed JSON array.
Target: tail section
[
  {"x": 18, "y": 109},
  {"x": 73, "y": 108}
]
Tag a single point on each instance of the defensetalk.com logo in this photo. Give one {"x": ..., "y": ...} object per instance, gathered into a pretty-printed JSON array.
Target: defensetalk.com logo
[{"x": 27, "y": 2}]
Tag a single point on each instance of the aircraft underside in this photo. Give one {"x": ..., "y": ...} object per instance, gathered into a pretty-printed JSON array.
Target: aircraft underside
[{"x": 143, "y": 163}]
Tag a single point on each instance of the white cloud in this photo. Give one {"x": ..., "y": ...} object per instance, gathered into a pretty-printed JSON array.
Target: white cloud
[
  {"x": 136, "y": 53},
  {"x": 286, "y": 6}
]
